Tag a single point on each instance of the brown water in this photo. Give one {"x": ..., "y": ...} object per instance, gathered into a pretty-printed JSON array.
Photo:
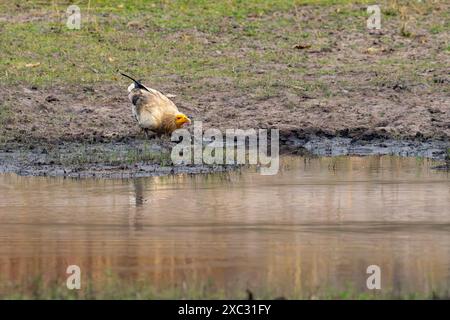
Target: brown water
[{"x": 313, "y": 227}]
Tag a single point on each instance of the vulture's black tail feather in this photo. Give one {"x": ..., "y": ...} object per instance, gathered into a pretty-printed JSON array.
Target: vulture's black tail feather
[{"x": 136, "y": 82}]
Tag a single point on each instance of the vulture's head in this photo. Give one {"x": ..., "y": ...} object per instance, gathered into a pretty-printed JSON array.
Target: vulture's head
[{"x": 181, "y": 119}]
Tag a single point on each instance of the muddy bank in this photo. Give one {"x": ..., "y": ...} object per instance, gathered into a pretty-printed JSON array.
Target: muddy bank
[
  {"x": 98, "y": 114},
  {"x": 90, "y": 132},
  {"x": 141, "y": 158},
  {"x": 340, "y": 146},
  {"x": 130, "y": 159}
]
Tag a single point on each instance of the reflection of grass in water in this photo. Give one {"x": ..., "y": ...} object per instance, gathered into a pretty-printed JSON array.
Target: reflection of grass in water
[{"x": 116, "y": 289}]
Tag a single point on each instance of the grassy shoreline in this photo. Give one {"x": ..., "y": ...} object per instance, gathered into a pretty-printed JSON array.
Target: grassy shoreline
[{"x": 115, "y": 289}]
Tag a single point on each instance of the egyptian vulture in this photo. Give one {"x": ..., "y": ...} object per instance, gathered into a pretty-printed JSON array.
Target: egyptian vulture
[{"x": 154, "y": 111}]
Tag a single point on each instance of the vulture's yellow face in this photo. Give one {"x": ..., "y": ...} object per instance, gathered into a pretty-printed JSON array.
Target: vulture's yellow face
[{"x": 181, "y": 119}]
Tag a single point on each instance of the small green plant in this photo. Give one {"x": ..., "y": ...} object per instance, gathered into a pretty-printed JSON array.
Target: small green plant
[
  {"x": 404, "y": 30},
  {"x": 436, "y": 29},
  {"x": 390, "y": 12}
]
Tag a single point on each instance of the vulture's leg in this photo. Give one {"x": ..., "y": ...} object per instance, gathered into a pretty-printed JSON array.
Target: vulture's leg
[
  {"x": 146, "y": 133},
  {"x": 149, "y": 134}
]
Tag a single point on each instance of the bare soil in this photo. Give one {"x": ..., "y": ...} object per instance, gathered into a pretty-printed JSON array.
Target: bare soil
[{"x": 101, "y": 114}]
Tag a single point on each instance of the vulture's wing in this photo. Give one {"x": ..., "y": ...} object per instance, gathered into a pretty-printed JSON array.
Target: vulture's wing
[
  {"x": 140, "y": 97},
  {"x": 151, "y": 100}
]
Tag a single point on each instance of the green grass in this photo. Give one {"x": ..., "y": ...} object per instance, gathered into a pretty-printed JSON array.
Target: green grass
[
  {"x": 436, "y": 29},
  {"x": 107, "y": 43},
  {"x": 112, "y": 287},
  {"x": 162, "y": 38}
]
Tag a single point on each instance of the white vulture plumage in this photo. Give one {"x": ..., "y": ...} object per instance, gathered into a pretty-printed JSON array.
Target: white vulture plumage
[{"x": 154, "y": 111}]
